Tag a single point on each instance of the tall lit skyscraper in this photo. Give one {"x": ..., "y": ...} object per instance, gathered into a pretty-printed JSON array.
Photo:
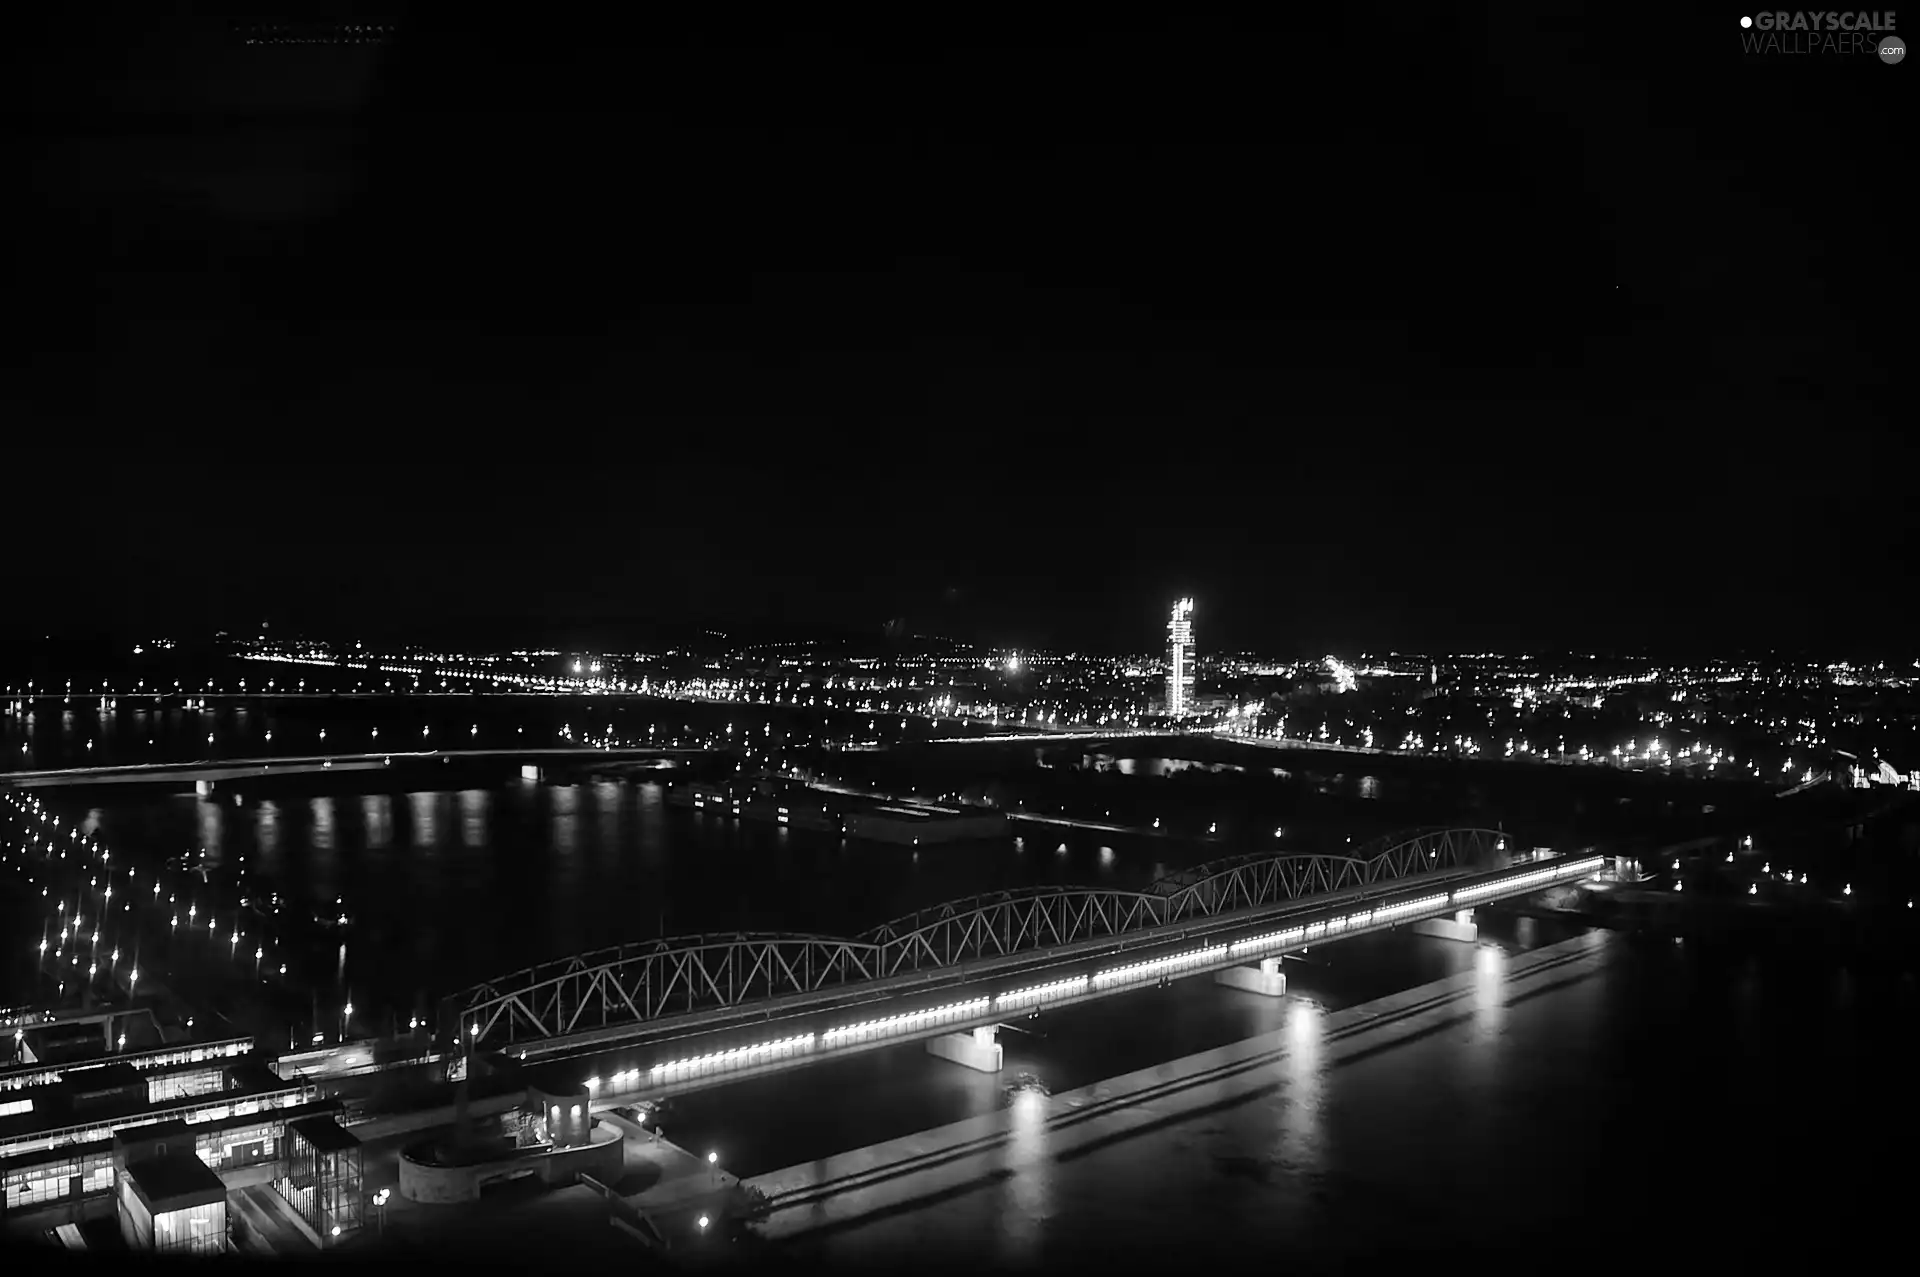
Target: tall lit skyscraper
[{"x": 1180, "y": 659}]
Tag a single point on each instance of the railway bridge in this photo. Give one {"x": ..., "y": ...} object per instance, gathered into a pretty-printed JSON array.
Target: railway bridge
[{"x": 680, "y": 1012}]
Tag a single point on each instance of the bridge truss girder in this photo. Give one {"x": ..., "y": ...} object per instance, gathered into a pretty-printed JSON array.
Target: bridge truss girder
[{"x": 635, "y": 984}]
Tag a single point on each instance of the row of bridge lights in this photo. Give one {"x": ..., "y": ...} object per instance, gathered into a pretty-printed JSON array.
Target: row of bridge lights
[{"x": 1153, "y": 969}]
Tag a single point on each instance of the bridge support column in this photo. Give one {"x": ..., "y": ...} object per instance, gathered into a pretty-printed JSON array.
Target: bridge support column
[
  {"x": 979, "y": 1049},
  {"x": 529, "y": 771},
  {"x": 1459, "y": 927},
  {"x": 202, "y": 787},
  {"x": 1266, "y": 978}
]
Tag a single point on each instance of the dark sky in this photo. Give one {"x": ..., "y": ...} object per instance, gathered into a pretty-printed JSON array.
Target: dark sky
[{"x": 1546, "y": 329}]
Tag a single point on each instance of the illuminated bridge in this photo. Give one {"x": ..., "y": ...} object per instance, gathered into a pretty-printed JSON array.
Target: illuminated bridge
[
  {"x": 237, "y": 768},
  {"x": 679, "y": 1012}
]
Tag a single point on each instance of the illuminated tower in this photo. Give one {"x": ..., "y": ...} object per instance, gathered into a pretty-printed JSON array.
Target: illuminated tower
[{"x": 1180, "y": 659}]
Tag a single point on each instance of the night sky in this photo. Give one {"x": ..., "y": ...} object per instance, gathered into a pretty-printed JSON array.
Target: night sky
[{"x": 1560, "y": 330}]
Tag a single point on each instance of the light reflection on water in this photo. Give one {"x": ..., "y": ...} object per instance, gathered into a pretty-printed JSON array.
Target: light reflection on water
[
  {"x": 212, "y": 824},
  {"x": 1489, "y": 988},
  {"x": 566, "y": 823},
  {"x": 1298, "y": 1107},
  {"x": 474, "y": 804},
  {"x": 1030, "y": 1191},
  {"x": 376, "y": 810},
  {"x": 426, "y": 827},
  {"x": 606, "y": 799},
  {"x": 321, "y": 831}
]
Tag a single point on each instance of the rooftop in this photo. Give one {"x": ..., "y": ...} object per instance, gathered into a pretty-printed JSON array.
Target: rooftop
[
  {"x": 176, "y": 1181},
  {"x": 167, "y": 1129},
  {"x": 99, "y": 1078},
  {"x": 325, "y": 1134}
]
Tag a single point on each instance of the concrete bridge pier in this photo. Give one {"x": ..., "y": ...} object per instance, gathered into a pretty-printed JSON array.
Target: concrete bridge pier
[
  {"x": 202, "y": 787},
  {"x": 529, "y": 771},
  {"x": 1266, "y": 979},
  {"x": 1459, "y": 927},
  {"x": 979, "y": 1049}
]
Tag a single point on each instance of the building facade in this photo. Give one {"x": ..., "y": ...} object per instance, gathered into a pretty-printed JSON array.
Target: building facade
[{"x": 1180, "y": 660}]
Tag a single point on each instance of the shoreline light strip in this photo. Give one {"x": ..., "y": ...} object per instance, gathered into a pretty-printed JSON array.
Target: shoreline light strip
[{"x": 1131, "y": 973}]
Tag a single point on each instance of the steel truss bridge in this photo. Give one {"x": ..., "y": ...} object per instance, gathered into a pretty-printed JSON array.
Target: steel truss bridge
[{"x": 640, "y": 986}]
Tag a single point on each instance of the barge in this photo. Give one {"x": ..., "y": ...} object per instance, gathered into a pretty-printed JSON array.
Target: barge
[
  {"x": 794, "y": 806},
  {"x": 904, "y": 822}
]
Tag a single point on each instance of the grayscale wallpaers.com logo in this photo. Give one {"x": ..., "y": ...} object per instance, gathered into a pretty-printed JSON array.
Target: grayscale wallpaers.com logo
[{"x": 1823, "y": 32}]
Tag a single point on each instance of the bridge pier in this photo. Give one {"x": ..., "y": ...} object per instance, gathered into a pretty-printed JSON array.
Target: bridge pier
[
  {"x": 529, "y": 771},
  {"x": 979, "y": 1049},
  {"x": 202, "y": 787},
  {"x": 1266, "y": 979},
  {"x": 1459, "y": 927}
]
